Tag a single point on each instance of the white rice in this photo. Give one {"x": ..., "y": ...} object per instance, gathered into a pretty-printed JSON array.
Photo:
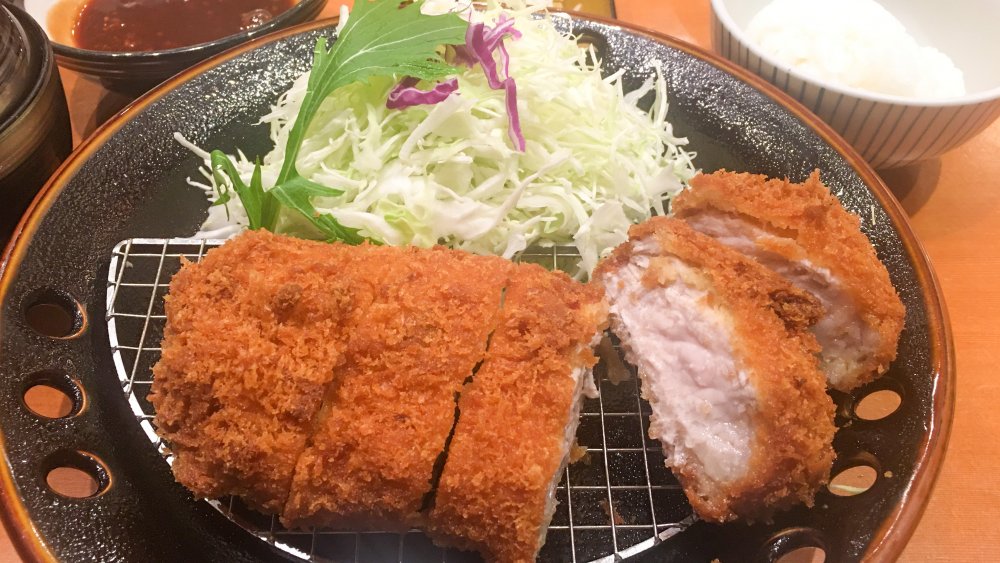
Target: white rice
[{"x": 855, "y": 43}]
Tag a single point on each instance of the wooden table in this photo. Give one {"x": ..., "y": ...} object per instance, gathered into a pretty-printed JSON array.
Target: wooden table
[{"x": 954, "y": 207}]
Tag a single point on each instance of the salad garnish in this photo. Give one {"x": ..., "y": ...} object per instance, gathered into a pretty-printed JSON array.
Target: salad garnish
[
  {"x": 381, "y": 38},
  {"x": 434, "y": 143}
]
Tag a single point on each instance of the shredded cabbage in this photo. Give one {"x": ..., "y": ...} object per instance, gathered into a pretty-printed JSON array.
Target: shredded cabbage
[{"x": 593, "y": 163}]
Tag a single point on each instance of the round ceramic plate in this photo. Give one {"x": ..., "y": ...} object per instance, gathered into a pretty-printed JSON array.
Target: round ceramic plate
[{"x": 128, "y": 183}]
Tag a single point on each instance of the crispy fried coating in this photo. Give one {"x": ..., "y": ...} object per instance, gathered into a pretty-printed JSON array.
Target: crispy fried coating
[
  {"x": 251, "y": 342},
  {"x": 419, "y": 327},
  {"x": 320, "y": 382},
  {"x": 767, "y": 319},
  {"x": 517, "y": 419},
  {"x": 802, "y": 231}
]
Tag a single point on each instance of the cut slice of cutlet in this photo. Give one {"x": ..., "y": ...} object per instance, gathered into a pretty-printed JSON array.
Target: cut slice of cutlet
[
  {"x": 420, "y": 326},
  {"x": 251, "y": 342},
  {"x": 726, "y": 360},
  {"x": 517, "y": 419},
  {"x": 802, "y": 232}
]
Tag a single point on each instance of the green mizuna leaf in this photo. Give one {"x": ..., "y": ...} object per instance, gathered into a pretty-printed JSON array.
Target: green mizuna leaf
[
  {"x": 251, "y": 196},
  {"x": 261, "y": 207},
  {"x": 380, "y": 38},
  {"x": 297, "y": 194}
]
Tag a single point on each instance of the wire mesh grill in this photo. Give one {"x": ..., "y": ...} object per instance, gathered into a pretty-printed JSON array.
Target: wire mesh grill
[{"x": 618, "y": 500}]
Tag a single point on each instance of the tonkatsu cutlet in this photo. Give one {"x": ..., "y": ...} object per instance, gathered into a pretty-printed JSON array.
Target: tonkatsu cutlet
[
  {"x": 419, "y": 327},
  {"x": 319, "y": 382},
  {"x": 727, "y": 363},
  {"x": 517, "y": 419},
  {"x": 802, "y": 232},
  {"x": 252, "y": 339}
]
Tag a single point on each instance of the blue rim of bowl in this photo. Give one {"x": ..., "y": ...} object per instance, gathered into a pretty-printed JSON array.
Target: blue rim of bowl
[
  {"x": 719, "y": 11},
  {"x": 301, "y": 9}
]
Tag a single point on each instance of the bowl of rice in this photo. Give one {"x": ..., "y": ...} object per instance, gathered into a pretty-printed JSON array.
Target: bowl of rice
[{"x": 903, "y": 81}]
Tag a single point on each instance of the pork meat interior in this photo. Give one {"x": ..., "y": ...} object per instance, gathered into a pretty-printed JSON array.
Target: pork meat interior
[
  {"x": 802, "y": 232},
  {"x": 727, "y": 363}
]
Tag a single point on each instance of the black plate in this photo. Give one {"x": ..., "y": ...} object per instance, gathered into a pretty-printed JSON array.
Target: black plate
[{"x": 128, "y": 181}]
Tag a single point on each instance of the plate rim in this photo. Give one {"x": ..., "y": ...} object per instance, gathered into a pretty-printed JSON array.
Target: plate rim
[{"x": 889, "y": 539}]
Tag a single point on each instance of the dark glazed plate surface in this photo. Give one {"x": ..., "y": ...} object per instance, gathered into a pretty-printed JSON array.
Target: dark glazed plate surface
[{"x": 128, "y": 181}]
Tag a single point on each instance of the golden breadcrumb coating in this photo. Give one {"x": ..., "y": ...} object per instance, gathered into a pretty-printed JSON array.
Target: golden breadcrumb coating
[
  {"x": 251, "y": 340},
  {"x": 319, "y": 381},
  {"x": 509, "y": 445},
  {"x": 793, "y": 428},
  {"x": 420, "y": 325},
  {"x": 812, "y": 222}
]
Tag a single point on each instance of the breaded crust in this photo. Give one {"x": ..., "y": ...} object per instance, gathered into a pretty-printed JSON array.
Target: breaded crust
[
  {"x": 321, "y": 381},
  {"x": 509, "y": 444},
  {"x": 419, "y": 327},
  {"x": 793, "y": 424},
  {"x": 251, "y": 341},
  {"x": 830, "y": 236}
]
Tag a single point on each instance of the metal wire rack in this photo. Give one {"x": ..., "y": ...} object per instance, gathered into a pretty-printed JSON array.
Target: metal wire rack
[{"x": 617, "y": 501}]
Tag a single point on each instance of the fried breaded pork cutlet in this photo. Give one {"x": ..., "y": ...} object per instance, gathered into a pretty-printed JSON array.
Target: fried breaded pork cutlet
[
  {"x": 252, "y": 340},
  {"x": 517, "y": 419},
  {"x": 727, "y": 363},
  {"x": 419, "y": 327},
  {"x": 802, "y": 232},
  {"x": 321, "y": 382}
]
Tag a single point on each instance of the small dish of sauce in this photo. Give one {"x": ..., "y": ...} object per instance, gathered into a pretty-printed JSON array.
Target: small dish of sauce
[
  {"x": 157, "y": 25},
  {"x": 130, "y": 46}
]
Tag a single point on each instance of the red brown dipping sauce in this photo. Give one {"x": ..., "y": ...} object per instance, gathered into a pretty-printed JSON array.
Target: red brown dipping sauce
[{"x": 155, "y": 25}]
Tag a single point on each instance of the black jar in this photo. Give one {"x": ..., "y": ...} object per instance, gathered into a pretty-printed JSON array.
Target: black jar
[{"x": 35, "y": 133}]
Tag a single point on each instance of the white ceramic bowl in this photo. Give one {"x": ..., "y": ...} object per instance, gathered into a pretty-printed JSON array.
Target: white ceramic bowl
[{"x": 890, "y": 130}]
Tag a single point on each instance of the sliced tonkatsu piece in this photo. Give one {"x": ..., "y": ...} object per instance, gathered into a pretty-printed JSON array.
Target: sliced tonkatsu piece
[
  {"x": 802, "y": 232},
  {"x": 517, "y": 419},
  {"x": 727, "y": 363},
  {"x": 420, "y": 325},
  {"x": 251, "y": 342}
]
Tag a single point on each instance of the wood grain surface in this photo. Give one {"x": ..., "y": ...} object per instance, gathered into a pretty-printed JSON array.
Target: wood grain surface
[{"x": 954, "y": 207}]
